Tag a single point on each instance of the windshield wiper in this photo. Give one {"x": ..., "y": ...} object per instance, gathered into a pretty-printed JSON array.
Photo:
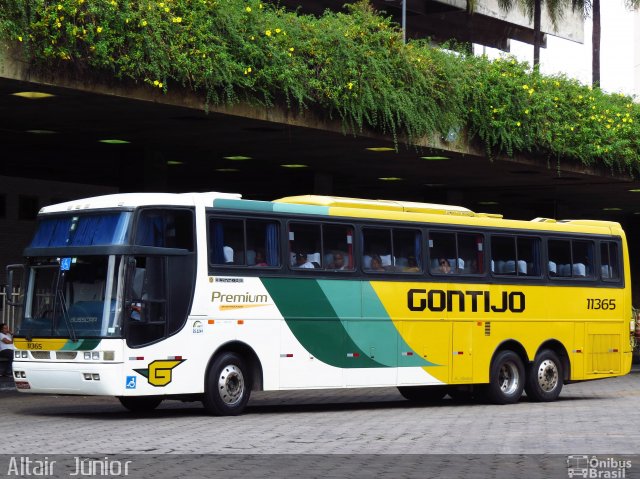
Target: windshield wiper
[{"x": 59, "y": 299}]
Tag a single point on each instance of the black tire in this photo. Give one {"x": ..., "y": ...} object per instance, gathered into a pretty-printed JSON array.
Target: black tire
[
  {"x": 545, "y": 377},
  {"x": 227, "y": 386},
  {"x": 506, "y": 379},
  {"x": 140, "y": 403},
  {"x": 423, "y": 393}
]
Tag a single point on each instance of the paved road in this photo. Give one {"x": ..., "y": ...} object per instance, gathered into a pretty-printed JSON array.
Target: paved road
[{"x": 594, "y": 418}]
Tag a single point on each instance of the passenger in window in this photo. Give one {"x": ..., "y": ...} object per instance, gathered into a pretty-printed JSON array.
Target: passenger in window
[
  {"x": 473, "y": 266},
  {"x": 376, "y": 263},
  {"x": 444, "y": 266},
  {"x": 338, "y": 262},
  {"x": 412, "y": 265},
  {"x": 303, "y": 262},
  {"x": 260, "y": 259}
]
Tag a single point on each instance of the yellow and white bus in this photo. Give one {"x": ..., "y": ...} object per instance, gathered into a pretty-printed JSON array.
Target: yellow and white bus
[{"x": 207, "y": 296}]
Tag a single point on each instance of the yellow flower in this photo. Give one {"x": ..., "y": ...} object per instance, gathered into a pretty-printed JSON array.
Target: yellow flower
[
  {"x": 526, "y": 112},
  {"x": 531, "y": 91},
  {"x": 161, "y": 4},
  {"x": 166, "y": 9},
  {"x": 278, "y": 30},
  {"x": 60, "y": 7},
  {"x": 260, "y": 6},
  {"x": 159, "y": 84},
  {"x": 252, "y": 37},
  {"x": 176, "y": 19},
  {"x": 268, "y": 33},
  {"x": 525, "y": 87},
  {"x": 517, "y": 123},
  {"x": 19, "y": 38},
  {"x": 156, "y": 82},
  {"x": 143, "y": 23},
  {"x": 249, "y": 69},
  {"x": 349, "y": 85},
  {"x": 291, "y": 49},
  {"x": 248, "y": 9},
  {"x": 99, "y": 29}
]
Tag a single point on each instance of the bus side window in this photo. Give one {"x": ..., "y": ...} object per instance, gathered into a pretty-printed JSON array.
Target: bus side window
[
  {"x": 263, "y": 244},
  {"x": 407, "y": 250},
  {"x": 442, "y": 253},
  {"x": 609, "y": 261},
  {"x": 376, "y": 245},
  {"x": 337, "y": 245},
  {"x": 165, "y": 228},
  {"x": 560, "y": 258},
  {"x": 226, "y": 241},
  {"x": 471, "y": 253},
  {"x": 304, "y": 245}
]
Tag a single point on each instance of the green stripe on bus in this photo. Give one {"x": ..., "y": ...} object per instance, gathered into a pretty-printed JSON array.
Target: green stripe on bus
[
  {"x": 247, "y": 205},
  {"x": 253, "y": 205},
  {"x": 314, "y": 322},
  {"x": 386, "y": 330},
  {"x": 372, "y": 330},
  {"x": 301, "y": 209}
]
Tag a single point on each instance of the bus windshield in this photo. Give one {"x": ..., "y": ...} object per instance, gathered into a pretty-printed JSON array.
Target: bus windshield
[{"x": 74, "y": 298}]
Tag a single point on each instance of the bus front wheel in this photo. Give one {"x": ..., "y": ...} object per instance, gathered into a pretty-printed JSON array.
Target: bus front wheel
[
  {"x": 140, "y": 403},
  {"x": 506, "y": 378},
  {"x": 544, "y": 381},
  {"x": 228, "y": 386}
]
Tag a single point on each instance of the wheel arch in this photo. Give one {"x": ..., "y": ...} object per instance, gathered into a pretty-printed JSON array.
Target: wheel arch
[
  {"x": 511, "y": 345},
  {"x": 558, "y": 348},
  {"x": 248, "y": 354}
]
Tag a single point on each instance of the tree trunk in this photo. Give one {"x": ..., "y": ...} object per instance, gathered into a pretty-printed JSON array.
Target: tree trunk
[
  {"x": 595, "y": 40},
  {"x": 537, "y": 34}
]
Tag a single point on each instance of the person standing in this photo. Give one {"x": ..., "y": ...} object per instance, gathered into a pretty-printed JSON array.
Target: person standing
[{"x": 6, "y": 348}]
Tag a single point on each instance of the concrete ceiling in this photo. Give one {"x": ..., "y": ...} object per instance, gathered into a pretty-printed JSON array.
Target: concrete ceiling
[{"x": 177, "y": 148}]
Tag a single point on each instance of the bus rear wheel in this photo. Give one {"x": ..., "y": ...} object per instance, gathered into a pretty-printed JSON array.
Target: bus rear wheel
[
  {"x": 228, "y": 386},
  {"x": 506, "y": 379},
  {"x": 140, "y": 403},
  {"x": 423, "y": 393},
  {"x": 544, "y": 381}
]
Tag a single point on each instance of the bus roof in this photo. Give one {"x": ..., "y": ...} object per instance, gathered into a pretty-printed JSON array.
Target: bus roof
[
  {"x": 134, "y": 200},
  {"x": 336, "y": 206}
]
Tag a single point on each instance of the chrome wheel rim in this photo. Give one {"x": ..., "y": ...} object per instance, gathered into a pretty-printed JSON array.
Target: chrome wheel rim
[
  {"x": 509, "y": 378},
  {"x": 548, "y": 375},
  {"x": 231, "y": 385}
]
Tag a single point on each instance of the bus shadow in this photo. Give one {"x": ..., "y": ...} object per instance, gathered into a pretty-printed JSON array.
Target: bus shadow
[{"x": 171, "y": 409}]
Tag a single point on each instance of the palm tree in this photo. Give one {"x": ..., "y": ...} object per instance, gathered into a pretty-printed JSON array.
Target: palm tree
[
  {"x": 555, "y": 9},
  {"x": 592, "y": 7}
]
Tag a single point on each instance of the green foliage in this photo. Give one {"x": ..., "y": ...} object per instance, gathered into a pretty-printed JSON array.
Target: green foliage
[{"x": 352, "y": 66}]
